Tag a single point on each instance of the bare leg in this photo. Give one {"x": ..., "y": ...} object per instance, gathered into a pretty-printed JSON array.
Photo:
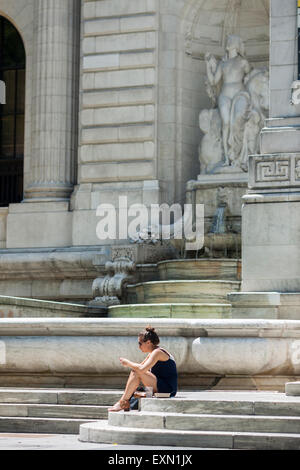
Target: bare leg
[
  {"x": 225, "y": 107},
  {"x": 225, "y": 143},
  {"x": 134, "y": 379},
  {"x": 147, "y": 378}
]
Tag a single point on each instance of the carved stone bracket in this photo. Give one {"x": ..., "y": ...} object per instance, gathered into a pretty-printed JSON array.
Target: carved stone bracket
[{"x": 108, "y": 290}]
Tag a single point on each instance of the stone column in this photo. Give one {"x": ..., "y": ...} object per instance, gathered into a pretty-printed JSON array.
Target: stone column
[{"x": 55, "y": 92}]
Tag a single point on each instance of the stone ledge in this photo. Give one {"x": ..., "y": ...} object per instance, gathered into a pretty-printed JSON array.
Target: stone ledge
[
  {"x": 188, "y": 328},
  {"x": 267, "y": 196},
  {"x": 68, "y": 263},
  {"x": 85, "y": 350},
  {"x": 292, "y": 389},
  {"x": 268, "y": 305},
  {"x": 25, "y": 307}
]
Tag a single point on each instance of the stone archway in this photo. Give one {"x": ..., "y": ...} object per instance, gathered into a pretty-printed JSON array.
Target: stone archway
[{"x": 207, "y": 23}]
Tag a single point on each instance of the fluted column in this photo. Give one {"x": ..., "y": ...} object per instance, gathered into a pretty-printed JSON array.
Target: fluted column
[{"x": 55, "y": 95}]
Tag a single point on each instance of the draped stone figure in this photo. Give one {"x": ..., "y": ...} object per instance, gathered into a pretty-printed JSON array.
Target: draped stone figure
[{"x": 239, "y": 97}]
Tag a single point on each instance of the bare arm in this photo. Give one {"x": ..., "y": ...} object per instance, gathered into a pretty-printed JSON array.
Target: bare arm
[{"x": 144, "y": 366}]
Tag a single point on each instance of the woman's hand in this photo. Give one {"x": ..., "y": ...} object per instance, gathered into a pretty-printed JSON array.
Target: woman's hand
[{"x": 124, "y": 362}]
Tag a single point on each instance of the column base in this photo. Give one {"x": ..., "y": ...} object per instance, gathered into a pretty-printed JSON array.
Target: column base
[{"x": 48, "y": 192}]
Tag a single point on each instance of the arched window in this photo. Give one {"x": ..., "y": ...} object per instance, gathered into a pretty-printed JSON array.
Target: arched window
[{"x": 12, "y": 72}]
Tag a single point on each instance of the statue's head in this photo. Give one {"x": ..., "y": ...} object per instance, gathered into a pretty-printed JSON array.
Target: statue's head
[{"x": 235, "y": 43}]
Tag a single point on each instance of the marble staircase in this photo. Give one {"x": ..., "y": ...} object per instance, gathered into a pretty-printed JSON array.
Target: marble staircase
[
  {"x": 190, "y": 288},
  {"x": 214, "y": 419},
  {"x": 57, "y": 411}
]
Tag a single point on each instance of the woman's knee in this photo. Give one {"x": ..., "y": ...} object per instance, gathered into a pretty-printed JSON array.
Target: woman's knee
[{"x": 134, "y": 375}]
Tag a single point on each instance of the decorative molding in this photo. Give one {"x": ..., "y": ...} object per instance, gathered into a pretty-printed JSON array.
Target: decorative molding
[
  {"x": 274, "y": 171},
  {"x": 144, "y": 253}
]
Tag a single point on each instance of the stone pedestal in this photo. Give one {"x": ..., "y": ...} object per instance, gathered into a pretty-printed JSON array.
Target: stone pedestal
[
  {"x": 271, "y": 224},
  {"x": 271, "y": 208},
  {"x": 270, "y": 242}
]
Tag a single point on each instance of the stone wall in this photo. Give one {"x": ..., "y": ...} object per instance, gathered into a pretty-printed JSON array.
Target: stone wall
[{"x": 232, "y": 354}]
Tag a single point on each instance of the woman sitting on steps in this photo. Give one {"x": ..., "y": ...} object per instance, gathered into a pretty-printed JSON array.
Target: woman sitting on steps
[{"x": 158, "y": 370}]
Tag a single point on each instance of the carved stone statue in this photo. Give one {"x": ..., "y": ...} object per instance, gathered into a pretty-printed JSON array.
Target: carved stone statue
[
  {"x": 239, "y": 97},
  {"x": 211, "y": 148}
]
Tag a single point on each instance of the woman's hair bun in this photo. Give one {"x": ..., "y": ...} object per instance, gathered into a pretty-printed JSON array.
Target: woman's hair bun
[
  {"x": 149, "y": 328},
  {"x": 149, "y": 334}
]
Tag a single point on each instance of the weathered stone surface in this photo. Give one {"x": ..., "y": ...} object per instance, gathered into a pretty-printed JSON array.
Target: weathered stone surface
[
  {"x": 12, "y": 307},
  {"x": 260, "y": 350},
  {"x": 136, "y": 419},
  {"x": 56, "y": 274},
  {"x": 39, "y": 226},
  {"x": 64, "y": 411},
  {"x": 59, "y": 396},
  {"x": 260, "y": 441},
  {"x": 212, "y": 416},
  {"x": 202, "y": 405},
  {"x": 292, "y": 389},
  {"x": 107, "y": 434},
  {"x": 265, "y": 305},
  {"x": 193, "y": 291},
  {"x": 218, "y": 269},
  {"x": 205, "y": 422},
  {"x": 170, "y": 311},
  {"x": 41, "y": 425}
]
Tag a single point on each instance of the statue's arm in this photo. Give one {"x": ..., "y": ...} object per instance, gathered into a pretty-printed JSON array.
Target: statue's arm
[
  {"x": 214, "y": 69},
  {"x": 218, "y": 74},
  {"x": 247, "y": 68}
]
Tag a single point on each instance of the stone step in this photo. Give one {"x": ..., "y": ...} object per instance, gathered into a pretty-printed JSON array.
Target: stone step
[
  {"x": 102, "y": 432},
  {"x": 53, "y": 411},
  {"x": 218, "y": 269},
  {"x": 189, "y": 291},
  {"x": 58, "y": 411},
  {"x": 284, "y": 406},
  {"x": 59, "y": 396},
  {"x": 179, "y": 310},
  {"x": 42, "y": 425},
  {"x": 205, "y": 422}
]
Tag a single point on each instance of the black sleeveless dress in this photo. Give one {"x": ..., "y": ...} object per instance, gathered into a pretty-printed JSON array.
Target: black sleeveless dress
[{"x": 166, "y": 374}]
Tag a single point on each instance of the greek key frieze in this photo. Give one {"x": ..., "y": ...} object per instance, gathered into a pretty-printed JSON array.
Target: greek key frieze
[
  {"x": 297, "y": 169},
  {"x": 272, "y": 171}
]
